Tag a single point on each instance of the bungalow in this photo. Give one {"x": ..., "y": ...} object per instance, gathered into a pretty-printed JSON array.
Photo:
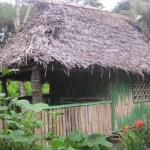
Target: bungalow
[{"x": 96, "y": 62}]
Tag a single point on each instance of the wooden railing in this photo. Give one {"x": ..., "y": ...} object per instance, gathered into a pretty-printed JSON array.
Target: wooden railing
[
  {"x": 66, "y": 100},
  {"x": 86, "y": 118}
]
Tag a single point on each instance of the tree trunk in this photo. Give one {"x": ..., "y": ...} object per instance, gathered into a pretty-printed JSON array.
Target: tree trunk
[
  {"x": 27, "y": 13},
  {"x": 17, "y": 15},
  {"x": 36, "y": 85}
]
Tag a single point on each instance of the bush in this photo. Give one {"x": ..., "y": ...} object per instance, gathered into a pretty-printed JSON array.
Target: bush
[
  {"x": 136, "y": 137},
  {"x": 19, "y": 126},
  {"x": 78, "y": 141}
]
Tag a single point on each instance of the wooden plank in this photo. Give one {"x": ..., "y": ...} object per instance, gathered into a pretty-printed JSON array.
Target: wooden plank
[
  {"x": 76, "y": 118},
  {"x": 50, "y": 121},
  {"x": 95, "y": 120},
  {"x": 86, "y": 119}
]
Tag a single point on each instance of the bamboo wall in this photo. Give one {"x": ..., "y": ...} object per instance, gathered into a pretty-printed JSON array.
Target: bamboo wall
[
  {"x": 125, "y": 105},
  {"x": 93, "y": 118}
]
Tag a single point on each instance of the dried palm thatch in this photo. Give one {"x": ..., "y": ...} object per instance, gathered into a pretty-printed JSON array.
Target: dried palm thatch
[{"x": 79, "y": 38}]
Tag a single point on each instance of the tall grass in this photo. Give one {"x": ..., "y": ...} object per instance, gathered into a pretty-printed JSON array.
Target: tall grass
[{"x": 140, "y": 111}]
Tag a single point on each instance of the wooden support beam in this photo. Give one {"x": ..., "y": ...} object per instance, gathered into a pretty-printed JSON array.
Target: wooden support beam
[
  {"x": 36, "y": 85},
  {"x": 4, "y": 87}
]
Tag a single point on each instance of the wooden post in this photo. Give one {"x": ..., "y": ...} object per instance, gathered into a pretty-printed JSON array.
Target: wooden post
[
  {"x": 4, "y": 87},
  {"x": 36, "y": 85},
  {"x": 4, "y": 90}
]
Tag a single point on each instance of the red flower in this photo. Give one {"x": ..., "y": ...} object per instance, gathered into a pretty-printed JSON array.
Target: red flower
[
  {"x": 126, "y": 128},
  {"x": 139, "y": 124}
]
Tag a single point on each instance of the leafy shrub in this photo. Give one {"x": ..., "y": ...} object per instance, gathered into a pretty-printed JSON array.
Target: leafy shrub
[
  {"x": 79, "y": 141},
  {"x": 135, "y": 137},
  {"x": 147, "y": 137},
  {"x": 132, "y": 141},
  {"x": 18, "y": 132}
]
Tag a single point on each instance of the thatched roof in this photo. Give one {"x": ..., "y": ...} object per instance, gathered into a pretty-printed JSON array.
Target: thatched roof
[{"x": 79, "y": 38}]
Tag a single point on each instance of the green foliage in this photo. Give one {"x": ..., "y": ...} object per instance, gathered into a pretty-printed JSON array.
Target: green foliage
[
  {"x": 136, "y": 137},
  {"x": 13, "y": 88},
  {"x": 20, "y": 121},
  {"x": 121, "y": 88},
  {"x": 19, "y": 126},
  {"x": 122, "y": 7},
  {"x": 138, "y": 10},
  {"x": 78, "y": 141},
  {"x": 45, "y": 88},
  {"x": 7, "y": 13},
  {"x": 7, "y": 18},
  {"x": 18, "y": 132},
  {"x": 132, "y": 141},
  {"x": 146, "y": 136},
  {"x": 28, "y": 88},
  {"x": 6, "y": 71},
  {"x": 32, "y": 107}
]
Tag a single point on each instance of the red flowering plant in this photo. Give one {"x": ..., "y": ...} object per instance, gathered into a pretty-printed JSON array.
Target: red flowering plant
[
  {"x": 132, "y": 136},
  {"x": 127, "y": 128},
  {"x": 139, "y": 124}
]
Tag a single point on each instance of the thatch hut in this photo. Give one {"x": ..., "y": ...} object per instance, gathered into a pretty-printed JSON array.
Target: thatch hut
[{"x": 95, "y": 57}]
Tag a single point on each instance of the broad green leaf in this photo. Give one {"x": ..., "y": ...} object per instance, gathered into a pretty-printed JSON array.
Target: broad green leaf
[
  {"x": 21, "y": 103},
  {"x": 3, "y": 108},
  {"x": 4, "y": 136},
  {"x": 76, "y": 137},
  {"x": 71, "y": 148},
  {"x": 6, "y": 71},
  {"x": 37, "y": 107},
  {"x": 2, "y": 95},
  {"x": 95, "y": 140},
  {"x": 56, "y": 144},
  {"x": 32, "y": 107}
]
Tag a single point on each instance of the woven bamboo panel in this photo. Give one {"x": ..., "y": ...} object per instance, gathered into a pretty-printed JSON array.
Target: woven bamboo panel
[
  {"x": 86, "y": 119},
  {"x": 141, "y": 92}
]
